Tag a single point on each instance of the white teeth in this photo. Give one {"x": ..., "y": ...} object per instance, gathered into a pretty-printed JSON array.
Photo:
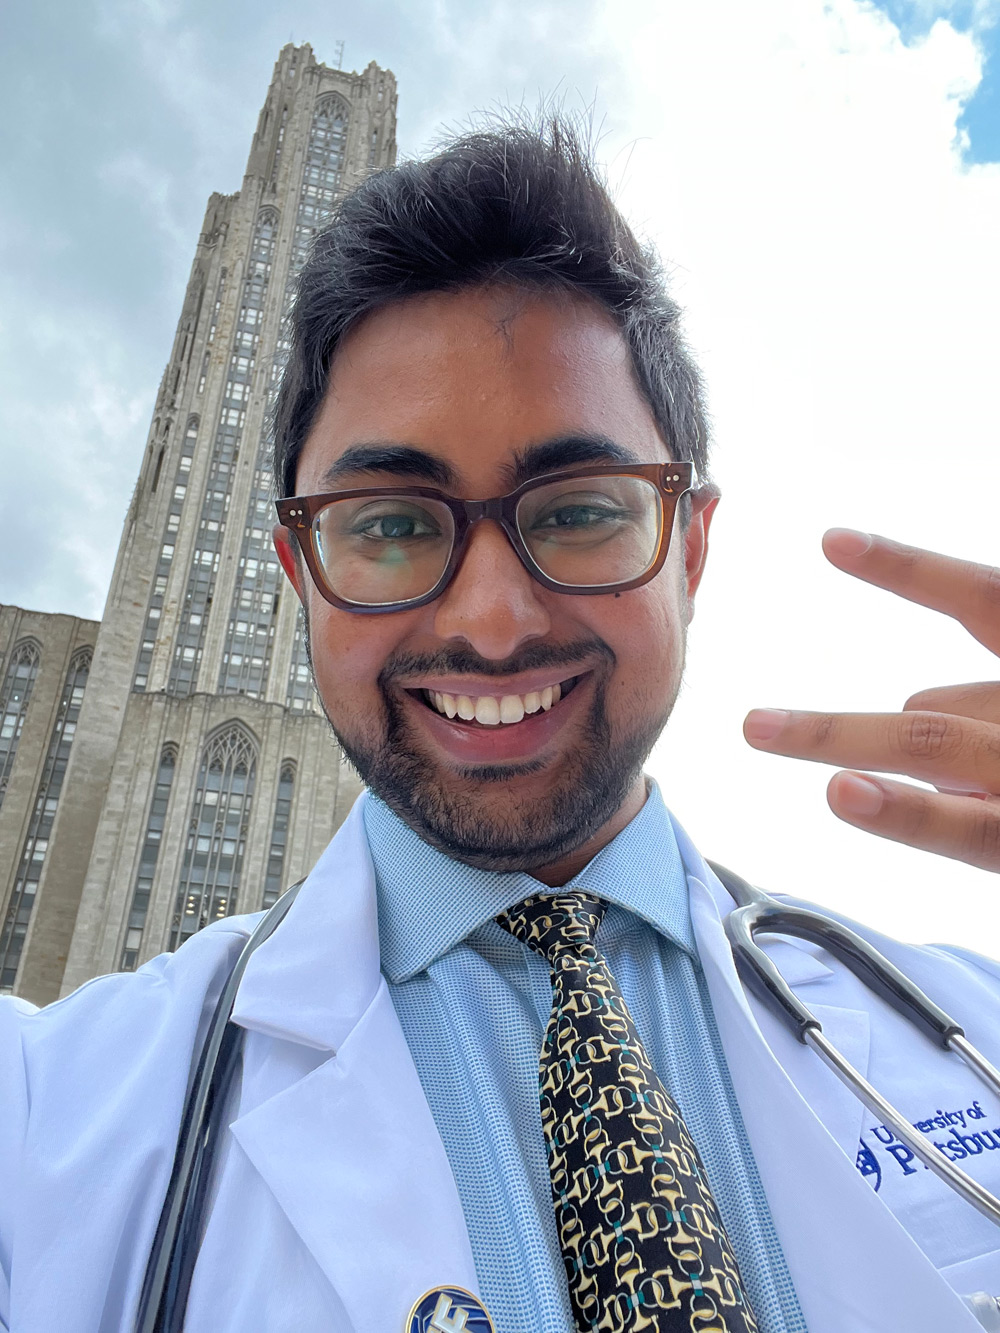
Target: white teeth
[
  {"x": 511, "y": 708},
  {"x": 488, "y": 711}
]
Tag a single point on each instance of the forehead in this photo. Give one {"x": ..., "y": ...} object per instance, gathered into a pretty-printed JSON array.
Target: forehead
[{"x": 476, "y": 376}]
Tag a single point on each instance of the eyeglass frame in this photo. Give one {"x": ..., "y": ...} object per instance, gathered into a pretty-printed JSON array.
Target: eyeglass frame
[{"x": 297, "y": 513}]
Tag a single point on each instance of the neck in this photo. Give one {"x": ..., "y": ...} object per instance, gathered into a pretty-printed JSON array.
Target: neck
[{"x": 562, "y": 871}]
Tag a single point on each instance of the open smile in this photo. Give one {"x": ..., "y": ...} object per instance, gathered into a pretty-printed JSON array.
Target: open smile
[
  {"x": 471, "y": 726},
  {"x": 491, "y": 710}
]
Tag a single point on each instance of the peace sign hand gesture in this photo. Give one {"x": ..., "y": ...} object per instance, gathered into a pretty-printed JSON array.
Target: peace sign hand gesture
[{"x": 948, "y": 736}]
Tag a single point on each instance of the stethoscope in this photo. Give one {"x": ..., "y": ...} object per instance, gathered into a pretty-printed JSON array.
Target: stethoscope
[{"x": 178, "y": 1235}]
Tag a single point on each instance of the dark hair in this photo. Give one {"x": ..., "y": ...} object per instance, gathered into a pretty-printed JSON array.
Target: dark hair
[{"x": 517, "y": 203}]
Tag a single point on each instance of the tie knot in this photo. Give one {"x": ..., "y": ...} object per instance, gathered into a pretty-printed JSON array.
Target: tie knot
[{"x": 550, "y": 923}]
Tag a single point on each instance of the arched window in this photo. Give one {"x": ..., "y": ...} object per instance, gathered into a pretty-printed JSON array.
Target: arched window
[
  {"x": 274, "y": 884},
  {"x": 36, "y": 844},
  {"x": 220, "y": 816},
  {"x": 148, "y": 858},
  {"x": 18, "y": 682}
]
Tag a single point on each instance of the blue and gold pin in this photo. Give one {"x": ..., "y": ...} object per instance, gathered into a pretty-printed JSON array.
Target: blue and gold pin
[{"x": 448, "y": 1310}]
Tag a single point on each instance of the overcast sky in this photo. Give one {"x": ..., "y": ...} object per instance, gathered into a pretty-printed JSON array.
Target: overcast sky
[{"x": 823, "y": 177}]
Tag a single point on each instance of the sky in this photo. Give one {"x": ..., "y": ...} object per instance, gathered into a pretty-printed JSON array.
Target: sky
[{"x": 822, "y": 178}]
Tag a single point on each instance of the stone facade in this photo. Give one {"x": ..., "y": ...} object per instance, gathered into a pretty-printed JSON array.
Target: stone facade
[
  {"x": 202, "y": 771},
  {"x": 44, "y": 666}
]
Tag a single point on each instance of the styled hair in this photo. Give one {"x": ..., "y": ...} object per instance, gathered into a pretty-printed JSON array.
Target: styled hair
[{"x": 514, "y": 203}]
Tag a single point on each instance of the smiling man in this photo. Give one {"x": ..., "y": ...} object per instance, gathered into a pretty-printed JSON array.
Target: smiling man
[
  {"x": 492, "y": 1067},
  {"x": 505, "y": 719}
]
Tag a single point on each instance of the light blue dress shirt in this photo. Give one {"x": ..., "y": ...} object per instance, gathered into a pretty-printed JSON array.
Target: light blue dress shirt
[{"x": 473, "y": 1003}]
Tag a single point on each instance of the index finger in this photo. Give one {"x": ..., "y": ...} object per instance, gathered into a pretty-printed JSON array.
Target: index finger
[{"x": 967, "y": 591}]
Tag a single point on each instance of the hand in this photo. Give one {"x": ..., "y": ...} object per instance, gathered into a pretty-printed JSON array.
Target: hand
[{"x": 949, "y": 736}]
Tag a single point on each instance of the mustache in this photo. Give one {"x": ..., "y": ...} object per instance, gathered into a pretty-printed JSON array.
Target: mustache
[{"x": 461, "y": 661}]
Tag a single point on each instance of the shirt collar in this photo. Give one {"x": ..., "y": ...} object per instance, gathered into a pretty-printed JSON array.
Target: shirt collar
[{"x": 428, "y": 902}]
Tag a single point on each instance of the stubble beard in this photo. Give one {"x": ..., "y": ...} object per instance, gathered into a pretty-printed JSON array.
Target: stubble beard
[{"x": 473, "y": 816}]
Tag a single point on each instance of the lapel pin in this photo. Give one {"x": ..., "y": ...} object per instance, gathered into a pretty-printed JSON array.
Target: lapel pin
[{"x": 448, "y": 1310}]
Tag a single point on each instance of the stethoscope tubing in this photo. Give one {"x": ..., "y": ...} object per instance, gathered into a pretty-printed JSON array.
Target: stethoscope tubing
[
  {"x": 170, "y": 1267},
  {"x": 758, "y": 913}
]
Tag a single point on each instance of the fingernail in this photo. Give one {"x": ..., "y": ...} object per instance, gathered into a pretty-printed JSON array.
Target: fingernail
[
  {"x": 858, "y": 796},
  {"x": 763, "y": 724},
  {"x": 850, "y": 542}
]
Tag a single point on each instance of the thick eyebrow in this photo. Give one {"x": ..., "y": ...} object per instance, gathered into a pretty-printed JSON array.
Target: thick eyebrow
[
  {"x": 398, "y": 460},
  {"x": 567, "y": 451},
  {"x": 405, "y": 460}
]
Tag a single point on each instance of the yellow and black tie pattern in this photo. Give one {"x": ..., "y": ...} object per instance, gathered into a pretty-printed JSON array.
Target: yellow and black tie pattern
[{"x": 644, "y": 1245}]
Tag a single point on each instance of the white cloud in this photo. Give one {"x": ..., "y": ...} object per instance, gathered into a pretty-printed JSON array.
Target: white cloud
[{"x": 799, "y": 163}]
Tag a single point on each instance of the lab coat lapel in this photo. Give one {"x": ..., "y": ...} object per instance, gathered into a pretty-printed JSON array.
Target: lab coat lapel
[
  {"x": 349, "y": 1150},
  {"x": 840, "y": 1242}
]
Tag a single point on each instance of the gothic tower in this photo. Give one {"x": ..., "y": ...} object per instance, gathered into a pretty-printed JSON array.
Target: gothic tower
[{"x": 202, "y": 777}]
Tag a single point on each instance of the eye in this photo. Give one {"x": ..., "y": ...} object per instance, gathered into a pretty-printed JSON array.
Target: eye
[
  {"x": 394, "y": 524},
  {"x": 578, "y": 516}
]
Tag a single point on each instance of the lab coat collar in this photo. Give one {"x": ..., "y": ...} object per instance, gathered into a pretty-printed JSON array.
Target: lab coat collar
[
  {"x": 839, "y": 1271},
  {"x": 318, "y": 973},
  {"x": 348, "y": 1148}
]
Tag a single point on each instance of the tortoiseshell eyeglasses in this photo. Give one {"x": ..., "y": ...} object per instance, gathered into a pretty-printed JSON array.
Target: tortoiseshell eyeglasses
[{"x": 599, "y": 529}]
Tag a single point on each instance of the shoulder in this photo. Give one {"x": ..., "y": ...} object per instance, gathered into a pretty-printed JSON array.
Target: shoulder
[
  {"x": 942, "y": 970},
  {"x": 75, "y": 1051}
]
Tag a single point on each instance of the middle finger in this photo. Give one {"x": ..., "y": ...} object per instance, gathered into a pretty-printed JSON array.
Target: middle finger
[
  {"x": 979, "y": 699},
  {"x": 960, "y": 753}
]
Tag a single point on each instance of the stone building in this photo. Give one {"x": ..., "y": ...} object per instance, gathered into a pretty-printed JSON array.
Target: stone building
[{"x": 195, "y": 775}]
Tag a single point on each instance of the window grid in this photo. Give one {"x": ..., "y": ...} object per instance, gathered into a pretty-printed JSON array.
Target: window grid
[
  {"x": 160, "y": 575},
  {"x": 246, "y": 658},
  {"x": 274, "y": 881},
  {"x": 147, "y": 861},
  {"x": 205, "y": 562},
  {"x": 36, "y": 843},
  {"x": 216, "y": 841},
  {"x": 300, "y": 695},
  {"x": 321, "y": 181},
  {"x": 19, "y": 681}
]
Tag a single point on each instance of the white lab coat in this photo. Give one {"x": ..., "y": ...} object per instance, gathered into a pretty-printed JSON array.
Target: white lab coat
[{"x": 335, "y": 1205}]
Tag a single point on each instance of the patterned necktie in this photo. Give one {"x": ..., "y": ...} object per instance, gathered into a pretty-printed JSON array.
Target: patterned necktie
[{"x": 641, "y": 1236}]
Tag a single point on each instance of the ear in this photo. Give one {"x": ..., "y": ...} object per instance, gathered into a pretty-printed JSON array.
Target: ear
[
  {"x": 288, "y": 553},
  {"x": 703, "y": 508}
]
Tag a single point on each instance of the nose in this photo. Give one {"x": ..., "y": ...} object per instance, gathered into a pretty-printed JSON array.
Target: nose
[{"x": 492, "y": 602}]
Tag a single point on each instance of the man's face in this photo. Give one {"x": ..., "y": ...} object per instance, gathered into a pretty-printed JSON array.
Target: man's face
[{"x": 469, "y": 391}]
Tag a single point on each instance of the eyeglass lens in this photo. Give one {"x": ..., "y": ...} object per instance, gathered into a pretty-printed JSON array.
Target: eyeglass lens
[{"x": 595, "y": 531}]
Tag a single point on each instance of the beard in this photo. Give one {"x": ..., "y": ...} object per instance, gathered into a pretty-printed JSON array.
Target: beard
[{"x": 475, "y": 814}]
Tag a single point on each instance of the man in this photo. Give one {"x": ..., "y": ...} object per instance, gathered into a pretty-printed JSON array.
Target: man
[{"x": 492, "y": 446}]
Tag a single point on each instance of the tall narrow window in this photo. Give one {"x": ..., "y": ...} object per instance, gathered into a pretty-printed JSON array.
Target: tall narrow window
[
  {"x": 274, "y": 883},
  {"x": 220, "y": 815},
  {"x": 36, "y": 844},
  {"x": 154, "y": 611},
  {"x": 148, "y": 858},
  {"x": 249, "y": 645},
  {"x": 18, "y": 682},
  {"x": 300, "y": 694},
  {"x": 190, "y": 635}
]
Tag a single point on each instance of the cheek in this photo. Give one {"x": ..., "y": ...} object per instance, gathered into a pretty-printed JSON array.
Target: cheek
[
  {"x": 648, "y": 641},
  {"x": 348, "y": 653}
]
